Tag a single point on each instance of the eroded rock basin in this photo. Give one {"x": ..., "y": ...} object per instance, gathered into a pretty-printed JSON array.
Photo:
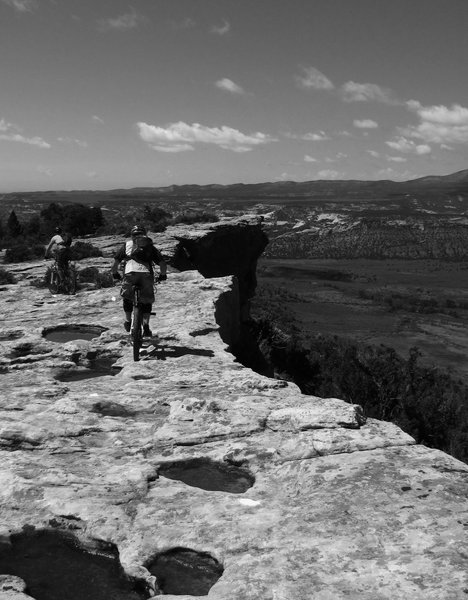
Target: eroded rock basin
[
  {"x": 100, "y": 367},
  {"x": 69, "y": 333},
  {"x": 209, "y": 475},
  {"x": 55, "y": 567},
  {"x": 182, "y": 571}
]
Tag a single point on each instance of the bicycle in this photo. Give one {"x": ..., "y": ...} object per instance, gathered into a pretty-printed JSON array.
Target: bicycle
[
  {"x": 136, "y": 324},
  {"x": 65, "y": 284}
]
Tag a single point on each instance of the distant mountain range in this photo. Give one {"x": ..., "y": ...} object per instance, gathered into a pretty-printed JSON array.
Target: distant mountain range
[{"x": 436, "y": 187}]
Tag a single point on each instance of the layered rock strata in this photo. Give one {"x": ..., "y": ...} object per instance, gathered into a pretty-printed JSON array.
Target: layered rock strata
[{"x": 339, "y": 506}]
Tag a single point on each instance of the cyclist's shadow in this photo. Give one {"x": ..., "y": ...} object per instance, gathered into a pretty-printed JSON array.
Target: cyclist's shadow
[{"x": 165, "y": 352}]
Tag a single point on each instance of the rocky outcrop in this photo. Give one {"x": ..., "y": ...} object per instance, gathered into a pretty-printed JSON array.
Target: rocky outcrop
[{"x": 332, "y": 505}]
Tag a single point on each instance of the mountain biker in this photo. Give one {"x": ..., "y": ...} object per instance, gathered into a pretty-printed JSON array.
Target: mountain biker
[
  {"x": 59, "y": 248},
  {"x": 139, "y": 254}
]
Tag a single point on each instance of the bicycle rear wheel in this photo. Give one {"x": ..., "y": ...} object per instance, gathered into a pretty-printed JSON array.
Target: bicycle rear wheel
[
  {"x": 53, "y": 282},
  {"x": 70, "y": 281},
  {"x": 137, "y": 334}
]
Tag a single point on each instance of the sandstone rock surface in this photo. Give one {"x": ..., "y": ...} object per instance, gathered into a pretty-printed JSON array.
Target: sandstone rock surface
[{"x": 341, "y": 508}]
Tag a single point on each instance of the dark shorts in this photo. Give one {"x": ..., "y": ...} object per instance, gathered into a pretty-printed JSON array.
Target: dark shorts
[{"x": 144, "y": 281}]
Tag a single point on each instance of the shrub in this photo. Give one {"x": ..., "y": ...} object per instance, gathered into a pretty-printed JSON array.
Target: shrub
[
  {"x": 6, "y": 277},
  {"x": 101, "y": 279},
  {"x": 23, "y": 252},
  {"x": 82, "y": 250}
]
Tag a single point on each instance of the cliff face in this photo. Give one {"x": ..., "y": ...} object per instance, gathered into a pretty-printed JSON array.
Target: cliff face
[
  {"x": 188, "y": 454},
  {"x": 376, "y": 240}
]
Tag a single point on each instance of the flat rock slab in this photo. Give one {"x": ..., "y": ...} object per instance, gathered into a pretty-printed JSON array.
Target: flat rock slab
[{"x": 341, "y": 507}]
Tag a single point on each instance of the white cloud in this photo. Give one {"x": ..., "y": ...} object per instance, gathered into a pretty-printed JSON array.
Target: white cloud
[
  {"x": 44, "y": 171},
  {"x": 438, "y": 124},
  {"x": 12, "y": 133},
  {"x": 365, "y": 124},
  {"x": 373, "y": 153},
  {"x": 179, "y": 137},
  {"x": 318, "y": 136},
  {"x": 97, "y": 119},
  {"x": 68, "y": 140},
  {"x": 366, "y": 92},
  {"x": 312, "y": 78},
  {"x": 123, "y": 22},
  {"x": 328, "y": 174},
  {"x": 221, "y": 29},
  {"x": 21, "y": 5},
  {"x": 229, "y": 86},
  {"x": 398, "y": 159},
  {"x": 403, "y": 144},
  {"x": 91, "y": 174},
  {"x": 308, "y": 158}
]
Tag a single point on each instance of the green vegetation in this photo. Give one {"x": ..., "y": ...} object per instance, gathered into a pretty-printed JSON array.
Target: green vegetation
[
  {"x": 26, "y": 240},
  {"x": 428, "y": 403},
  {"x": 80, "y": 250},
  {"x": 190, "y": 217},
  {"x": 6, "y": 277},
  {"x": 101, "y": 279}
]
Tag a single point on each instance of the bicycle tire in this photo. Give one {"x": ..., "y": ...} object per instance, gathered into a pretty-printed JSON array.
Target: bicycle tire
[
  {"x": 70, "y": 282},
  {"x": 53, "y": 282},
  {"x": 137, "y": 334}
]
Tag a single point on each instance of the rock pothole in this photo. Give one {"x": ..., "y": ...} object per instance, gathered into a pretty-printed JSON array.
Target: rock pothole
[
  {"x": 182, "y": 571},
  {"x": 55, "y": 566},
  {"x": 108, "y": 408},
  {"x": 209, "y": 475},
  {"x": 98, "y": 367},
  {"x": 68, "y": 333}
]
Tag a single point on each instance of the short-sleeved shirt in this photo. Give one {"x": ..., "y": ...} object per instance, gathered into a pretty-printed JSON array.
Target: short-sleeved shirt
[{"x": 133, "y": 266}]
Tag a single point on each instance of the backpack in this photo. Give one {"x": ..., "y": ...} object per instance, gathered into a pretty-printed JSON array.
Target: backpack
[{"x": 140, "y": 249}]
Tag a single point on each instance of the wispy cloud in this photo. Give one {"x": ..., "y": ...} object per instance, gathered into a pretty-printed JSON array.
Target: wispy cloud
[
  {"x": 97, "y": 119},
  {"x": 44, "y": 171},
  {"x": 21, "y": 6},
  {"x": 366, "y": 92},
  {"x": 373, "y": 153},
  {"x": 308, "y": 158},
  {"x": 229, "y": 86},
  {"x": 180, "y": 137},
  {"x": 221, "y": 29},
  {"x": 403, "y": 144},
  {"x": 74, "y": 141},
  {"x": 438, "y": 124},
  {"x": 365, "y": 124},
  {"x": 328, "y": 174},
  {"x": 397, "y": 159},
  {"x": 313, "y": 79},
  {"x": 12, "y": 133},
  {"x": 130, "y": 20},
  {"x": 186, "y": 23}
]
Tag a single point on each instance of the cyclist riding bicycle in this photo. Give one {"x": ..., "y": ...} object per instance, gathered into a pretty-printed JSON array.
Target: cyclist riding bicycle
[
  {"x": 59, "y": 248},
  {"x": 139, "y": 254}
]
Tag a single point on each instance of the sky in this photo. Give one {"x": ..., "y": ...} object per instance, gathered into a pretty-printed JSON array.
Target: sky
[{"x": 104, "y": 94}]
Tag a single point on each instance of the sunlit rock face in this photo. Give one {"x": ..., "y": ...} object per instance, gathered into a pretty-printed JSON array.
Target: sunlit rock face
[{"x": 325, "y": 503}]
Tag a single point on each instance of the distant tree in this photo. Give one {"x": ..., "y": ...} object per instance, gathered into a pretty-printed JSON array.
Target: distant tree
[
  {"x": 33, "y": 226},
  {"x": 52, "y": 215},
  {"x": 14, "y": 226},
  {"x": 98, "y": 218},
  {"x": 157, "y": 217}
]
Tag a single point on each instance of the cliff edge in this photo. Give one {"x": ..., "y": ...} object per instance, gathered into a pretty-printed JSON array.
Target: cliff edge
[{"x": 246, "y": 488}]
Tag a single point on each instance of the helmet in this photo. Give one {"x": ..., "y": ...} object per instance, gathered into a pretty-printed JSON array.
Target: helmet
[{"x": 138, "y": 230}]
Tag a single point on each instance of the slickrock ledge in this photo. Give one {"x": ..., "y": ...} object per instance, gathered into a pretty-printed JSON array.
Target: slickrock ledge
[{"x": 340, "y": 508}]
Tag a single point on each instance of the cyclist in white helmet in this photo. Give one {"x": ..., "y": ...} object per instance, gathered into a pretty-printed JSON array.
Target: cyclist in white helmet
[{"x": 139, "y": 254}]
